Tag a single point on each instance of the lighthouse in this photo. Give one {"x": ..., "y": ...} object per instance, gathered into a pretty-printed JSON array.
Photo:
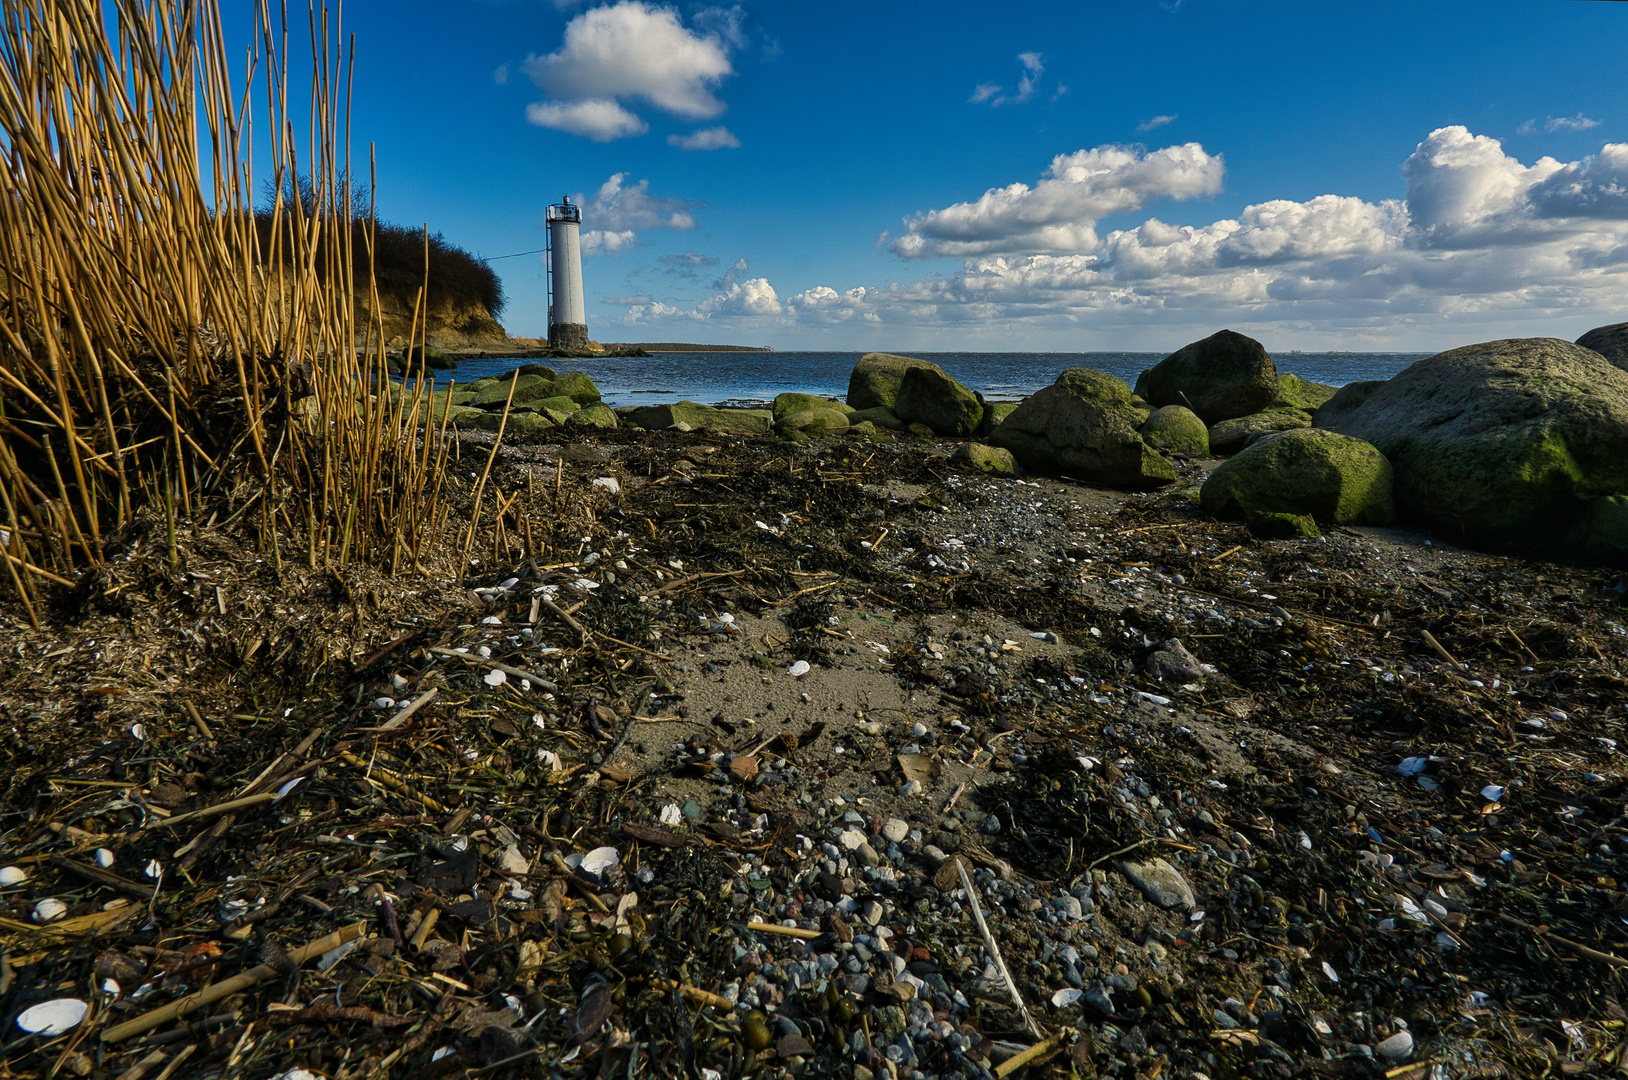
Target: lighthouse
[{"x": 567, "y": 314}]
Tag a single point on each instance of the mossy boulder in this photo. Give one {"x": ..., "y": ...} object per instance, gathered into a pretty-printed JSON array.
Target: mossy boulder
[
  {"x": 787, "y": 404},
  {"x": 881, "y": 416},
  {"x": 920, "y": 431},
  {"x": 538, "y": 369},
  {"x": 990, "y": 459},
  {"x": 995, "y": 413},
  {"x": 452, "y": 415},
  {"x": 1346, "y": 399},
  {"x": 1231, "y": 436},
  {"x": 1284, "y": 526},
  {"x": 1308, "y": 471},
  {"x": 1610, "y": 342},
  {"x": 1505, "y": 445},
  {"x": 1225, "y": 375},
  {"x": 597, "y": 415},
  {"x": 1297, "y": 393},
  {"x": 1605, "y": 536},
  {"x": 520, "y": 423},
  {"x": 576, "y": 386},
  {"x": 876, "y": 379},
  {"x": 815, "y": 420},
  {"x": 1176, "y": 429},
  {"x": 698, "y": 417},
  {"x": 558, "y": 403},
  {"x": 928, "y": 396},
  {"x": 1084, "y": 424},
  {"x": 526, "y": 388}
]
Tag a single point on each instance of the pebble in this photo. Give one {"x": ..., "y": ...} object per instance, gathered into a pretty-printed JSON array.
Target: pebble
[
  {"x": 1398, "y": 1047},
  {"x": 1161, "y": 883},
  {"x": 896, "y": 830},
  {"x": 851, "y": 839}
]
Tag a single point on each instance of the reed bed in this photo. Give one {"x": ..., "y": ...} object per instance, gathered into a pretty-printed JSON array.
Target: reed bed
[{"x": 161, "y": 355}]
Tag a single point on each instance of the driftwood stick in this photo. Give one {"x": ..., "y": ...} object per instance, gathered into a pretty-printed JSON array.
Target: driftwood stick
[
  {"x": 995, "y": 950},
  {"x": 164, "y": 1014}
]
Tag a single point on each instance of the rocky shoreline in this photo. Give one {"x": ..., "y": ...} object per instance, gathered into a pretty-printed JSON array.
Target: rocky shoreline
[{"x": 775, "y": 754}]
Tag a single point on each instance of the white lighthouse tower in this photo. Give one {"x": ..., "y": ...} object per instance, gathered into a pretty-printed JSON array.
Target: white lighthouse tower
[{"x": 567, "y": 314}]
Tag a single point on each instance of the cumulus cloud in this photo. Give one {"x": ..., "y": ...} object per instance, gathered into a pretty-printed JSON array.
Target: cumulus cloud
[
  {"x": 628, "y": 51},
  {"x": 1558, "y": 123},
  {"x": 501, "y": 75},
  {"x": 618, "y": 211},
  {"x": 732, "y": 275},
  {"x": 995, "y": 95},
  {"x": 1060, "y": 212},
  {"x": 712, "y": 138},
  {"x": 599, "y": 119},
  {"x": 1478, "y": 243},
  {"x": 1157, "y": 122}
]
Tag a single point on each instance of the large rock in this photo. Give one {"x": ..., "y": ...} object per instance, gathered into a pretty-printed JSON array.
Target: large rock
[
  {"x": 928, "y": 396},
  {"x": 1176, "y": 429},
  {"x": 1084, "y": 424},
  {"x": 697, "y": 417},
  {"x": 877, "y": 377},
  {"x": 597, "y": 415},
  {"x": 1610, "y": 342},
  {"x": 1310, "y": 471},
  {"x": 991, "y": 459},
  {"x": 526, "y": 388},
  {"x": 813, "y": 421},
  {"x": 1504, "y": 445},
  {"x": 1297, "y": 393},
  {"x": 995, "y": 413},
  {"x": 577, "y": 386},
  {"x": 882, "y": 416},
  {"x": 1231, "y": 436},
  {"x": 1223, "y": 376},
  {"x": 787, "y": 404},
  {"x": 1345, "y": 401}
]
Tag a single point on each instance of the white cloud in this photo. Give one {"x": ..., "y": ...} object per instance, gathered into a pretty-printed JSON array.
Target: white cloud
[
  {"x": 1479, "y": 245},
  {"x": 600, "y": 242},
  {"x": 631, "y": 51},
  {"x": 1157, "y": 122},
  {"x": 501, "y": 75},
  {"x": 618, "y": 211},
  {"x": 732, "y": 275},
  {"x": 712, "y": 138},
  {"x": 1558, "y": 123},
  {"x": 1060, "y": 213},
  {"x": 618, "y": 205},
  {"x": 995, "y": 95},
  {"x": 599, "y": 119},
  {"x": 754, "y": 296}
]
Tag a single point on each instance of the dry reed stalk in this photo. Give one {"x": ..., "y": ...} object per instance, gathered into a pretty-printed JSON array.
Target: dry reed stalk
[{"x": 161, "y": 343}]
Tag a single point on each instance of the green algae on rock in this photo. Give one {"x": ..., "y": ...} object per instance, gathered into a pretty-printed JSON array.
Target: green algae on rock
[
  {"x": 1176, "y": 429},
  {"x": 1333, "y": 478},
  {"x": 1084, "y": 423},
  {"x": 876, "y": 378},
  {"x": 1230, "y": 436},
  {"x": 928, "y": 396}
]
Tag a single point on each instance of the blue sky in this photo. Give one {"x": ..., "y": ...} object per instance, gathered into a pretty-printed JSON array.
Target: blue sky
[{"x": 1024, "y": 175}]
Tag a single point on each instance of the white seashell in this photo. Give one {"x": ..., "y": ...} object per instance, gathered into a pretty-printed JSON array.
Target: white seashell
[
  {"x": 12, "y": 875},
  {"x": 1065, "y": 997},
  {"x": 496, "y": 678},
  {"x": 155, "y": 869},
  {"x": 104, "y": 858},
  {"x": 384, "y": 703},
  {"x": 286, "y": 788},
  {"x": 671, "y": 814},
  {"x": 1492, "y": 792},
  {"x": 600, "y": 859},
  {"x": 799, "y": 669},
  {"x": 49, "y": 910},
  {"x": 138, "y": 732},
  {"x": 51, "y": 1018},
  {"x": 111, "y": 987}
]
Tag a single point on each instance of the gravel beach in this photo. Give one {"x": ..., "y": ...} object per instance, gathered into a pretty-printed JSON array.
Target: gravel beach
[{"x": 741, "y": 757}]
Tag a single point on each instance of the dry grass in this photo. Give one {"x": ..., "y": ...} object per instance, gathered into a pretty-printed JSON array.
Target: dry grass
[{"x": 151, "y": 353}]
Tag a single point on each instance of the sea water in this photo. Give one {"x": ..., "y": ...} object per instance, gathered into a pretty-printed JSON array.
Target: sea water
[{"x": 754, "y": 378}]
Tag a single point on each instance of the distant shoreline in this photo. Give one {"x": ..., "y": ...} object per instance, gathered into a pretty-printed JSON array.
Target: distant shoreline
[{"x": 680, "y": 346}]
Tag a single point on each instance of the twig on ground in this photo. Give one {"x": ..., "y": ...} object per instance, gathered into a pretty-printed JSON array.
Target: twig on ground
[{"x": 995, "y": 950}]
